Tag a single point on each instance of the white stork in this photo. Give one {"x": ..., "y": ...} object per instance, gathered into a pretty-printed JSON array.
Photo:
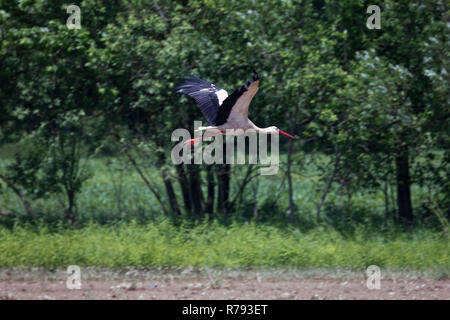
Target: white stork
[{"x": 223, "y": 111}]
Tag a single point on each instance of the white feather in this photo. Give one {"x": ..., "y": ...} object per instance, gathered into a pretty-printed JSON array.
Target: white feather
[{"x": 221, "y": 95}]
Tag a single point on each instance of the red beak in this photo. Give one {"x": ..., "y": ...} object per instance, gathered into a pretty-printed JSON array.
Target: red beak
[{"x": 285, "y": 134}]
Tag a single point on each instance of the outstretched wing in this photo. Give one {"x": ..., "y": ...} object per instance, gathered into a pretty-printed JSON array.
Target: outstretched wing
[
  {"x": 236, "y": 105},
  {"x": 207, "y": 95}
]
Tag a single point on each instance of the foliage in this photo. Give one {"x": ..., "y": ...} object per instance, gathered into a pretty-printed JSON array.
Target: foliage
[{"x": 369, "y": 108}]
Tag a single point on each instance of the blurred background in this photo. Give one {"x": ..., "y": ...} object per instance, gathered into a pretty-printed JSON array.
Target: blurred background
[{"x": 87, "y": 114}]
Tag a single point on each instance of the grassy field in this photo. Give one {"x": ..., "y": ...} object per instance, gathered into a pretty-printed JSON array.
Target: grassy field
[
  {"x": 121, "y": 225},
  {"x": 115, "y": 192},
  {"x": 214, "y": 245}
]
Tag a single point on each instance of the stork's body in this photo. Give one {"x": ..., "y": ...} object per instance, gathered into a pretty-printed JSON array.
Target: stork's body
[{"x": 222, "y": 111}]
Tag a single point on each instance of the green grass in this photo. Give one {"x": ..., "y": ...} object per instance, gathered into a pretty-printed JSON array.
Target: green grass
[
  {"x": 162, "y": 244},
  {"x": 120, "y": 225},
  {"x": 115, "y": 192}
]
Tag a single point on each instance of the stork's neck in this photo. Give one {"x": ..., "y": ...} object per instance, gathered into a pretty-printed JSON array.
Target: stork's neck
[
  {"x": 263, "y": 130},
  {"x": 268, "y": 130}
]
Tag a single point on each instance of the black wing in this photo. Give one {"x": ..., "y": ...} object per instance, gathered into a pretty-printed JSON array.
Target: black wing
[
  {"x": 204, "y": 93},
  {"x": 236, "y": 97}
]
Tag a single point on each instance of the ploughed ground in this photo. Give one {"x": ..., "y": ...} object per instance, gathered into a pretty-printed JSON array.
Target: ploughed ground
[{"x": 228, "y": 284}]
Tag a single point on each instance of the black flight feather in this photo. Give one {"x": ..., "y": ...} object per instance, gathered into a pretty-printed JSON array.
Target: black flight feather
[
  {"x": 230, "y": 101},
  {"x": 204, "y": 94}
]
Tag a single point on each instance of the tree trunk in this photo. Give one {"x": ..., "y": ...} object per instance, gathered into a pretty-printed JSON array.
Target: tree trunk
[
  {"x": 184, "y": 183},
  {"x": 171, "y": 194},
  {"x": 386, "y": 198},
  {"x": 292, "y": 207},
  {"x": 405, "y": 211},
  {"x": 71, "y": 209},
  {"x": 195, "y": 192},
  {"x": 168, "y": 183},
  {"x": 289, "y": 177},
  {"x": 255, "y": 200},
  {"x": 209, "y": 208},
  {"x": 328, "y": 185},
  {"x": 223, "y": 178}
]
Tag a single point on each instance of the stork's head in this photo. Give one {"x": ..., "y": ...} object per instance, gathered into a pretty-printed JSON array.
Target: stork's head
[{"x": 275, "y": 130}]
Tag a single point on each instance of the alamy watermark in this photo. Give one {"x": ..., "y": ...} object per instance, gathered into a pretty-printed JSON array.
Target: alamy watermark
[
  {"x": 74, "y": 20},
  {"x": 373, "y": 273},
  {"x": 235, "y": 152},
  {"x": 374, "y": 21},
  {"x": 74, "y": 278}
]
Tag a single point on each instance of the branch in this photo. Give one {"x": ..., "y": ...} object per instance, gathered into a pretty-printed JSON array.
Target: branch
[
  {"x": 245, "y": 181},
  {"x": 144, "y": 178},
  {"x": 328, "y": 186},
  {"x": 19, "y": 194},
  {"x": 161, "y": 14}
]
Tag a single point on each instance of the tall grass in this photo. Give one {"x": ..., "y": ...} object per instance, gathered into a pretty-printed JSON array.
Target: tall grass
[
  {"x": 115, "y": 192},
  {"x": 120, "y": 224},
  {"x": 212, "y": 244}
]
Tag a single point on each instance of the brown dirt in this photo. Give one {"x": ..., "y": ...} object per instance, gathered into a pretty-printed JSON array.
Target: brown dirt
[{"x": 223, "y": 287}]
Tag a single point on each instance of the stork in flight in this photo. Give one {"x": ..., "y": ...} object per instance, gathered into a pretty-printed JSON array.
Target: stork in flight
[{"x": 223, "y": 111}]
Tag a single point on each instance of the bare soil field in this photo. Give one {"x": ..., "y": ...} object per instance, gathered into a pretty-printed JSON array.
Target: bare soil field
[{"x": 212, "y": 284}]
